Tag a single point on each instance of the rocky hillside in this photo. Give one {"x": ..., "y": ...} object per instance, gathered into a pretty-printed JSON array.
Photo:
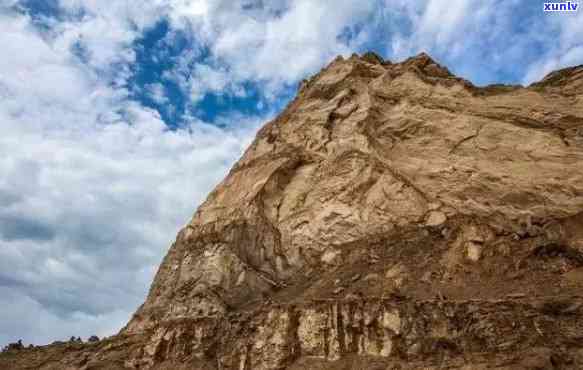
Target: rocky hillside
[{"x": 393, "y": 216}]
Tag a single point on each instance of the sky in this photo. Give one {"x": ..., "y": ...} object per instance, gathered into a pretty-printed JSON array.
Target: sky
[{"x": 118, "y": 117}]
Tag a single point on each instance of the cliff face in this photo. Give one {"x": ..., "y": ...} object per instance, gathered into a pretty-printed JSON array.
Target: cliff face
[{"x": 393, "y": 216}]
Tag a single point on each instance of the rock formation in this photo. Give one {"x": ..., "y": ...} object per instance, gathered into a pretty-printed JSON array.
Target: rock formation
[{"x": 393, "y": 216}]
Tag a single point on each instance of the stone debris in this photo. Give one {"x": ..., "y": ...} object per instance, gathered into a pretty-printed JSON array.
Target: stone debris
[
  {"x": 436, "y": 218},
  {"x": 355, "y": 278}
]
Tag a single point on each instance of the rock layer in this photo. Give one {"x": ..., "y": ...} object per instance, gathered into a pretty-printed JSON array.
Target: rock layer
[{"x": 392, "y": 216}]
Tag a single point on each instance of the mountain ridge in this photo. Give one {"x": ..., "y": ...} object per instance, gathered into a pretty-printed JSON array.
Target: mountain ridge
[{"x": 392, "y": 216}]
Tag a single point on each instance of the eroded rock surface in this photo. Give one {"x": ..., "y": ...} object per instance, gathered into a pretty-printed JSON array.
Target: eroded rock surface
[{"x": 394, "y": 216}]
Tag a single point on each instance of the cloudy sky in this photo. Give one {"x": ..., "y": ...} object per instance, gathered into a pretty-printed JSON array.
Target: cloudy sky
[{"x": 118, "y": 117}]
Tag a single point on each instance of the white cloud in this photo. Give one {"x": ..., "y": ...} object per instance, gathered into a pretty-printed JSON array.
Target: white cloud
[
  {"x": 206, "y": 79},
  {"x": 276, "y": 44},
  {"x": 484, "y": 40},
  {"x": 99, "y": 207},
  {"x": 157, "y": 93},
  {"x": 446, "y": 27},
  {"x": 93, "y": 188},
  {"x": 189, "y": 8}
]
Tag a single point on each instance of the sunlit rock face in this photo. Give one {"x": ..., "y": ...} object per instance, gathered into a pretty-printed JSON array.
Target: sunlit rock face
[{"x": 392, "y": 216}]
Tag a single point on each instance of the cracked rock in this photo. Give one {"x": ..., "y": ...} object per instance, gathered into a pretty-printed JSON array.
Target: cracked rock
[{"x": 376, "y": 169}]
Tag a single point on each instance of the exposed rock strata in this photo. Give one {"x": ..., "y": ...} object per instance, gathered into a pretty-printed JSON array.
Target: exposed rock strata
[{"x": 393, "y": 216}]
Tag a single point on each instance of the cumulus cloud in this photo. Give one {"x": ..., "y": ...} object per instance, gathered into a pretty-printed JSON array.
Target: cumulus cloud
[
  {"x": 287, "y": 47},
  {"x": 270, "y": 43},
  {"x": 277, "y": 43},
  {"x": 98, "y": 210},
  {"x": 94, "y": 187}
]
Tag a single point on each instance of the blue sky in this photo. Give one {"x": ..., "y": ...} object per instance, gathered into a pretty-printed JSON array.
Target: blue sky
[{"x": 118, "y": 117}]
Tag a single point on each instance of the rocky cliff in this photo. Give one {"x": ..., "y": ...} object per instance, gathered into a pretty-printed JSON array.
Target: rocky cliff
[{"x": 393, "y": 216}]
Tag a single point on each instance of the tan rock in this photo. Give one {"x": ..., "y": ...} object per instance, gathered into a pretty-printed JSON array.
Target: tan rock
[
  {"x": 435, "y": 218},
  {"x": 368, "y": 159},
  {"x": 474, "y": 251},
  {"x": 331, "y": 257}
]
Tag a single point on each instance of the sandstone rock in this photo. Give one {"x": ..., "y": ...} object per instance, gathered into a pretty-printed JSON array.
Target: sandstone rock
[
  {"x": 331, "y": 257},
  {"x": 435, "y": 218},
  {"x": 338, "y": 290},
  {"x": 356, "y": 177},
  {"x": 396, "y": 271},
  {"x": 474, "y": 251},
  {"x": 397, "y": 275}
]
